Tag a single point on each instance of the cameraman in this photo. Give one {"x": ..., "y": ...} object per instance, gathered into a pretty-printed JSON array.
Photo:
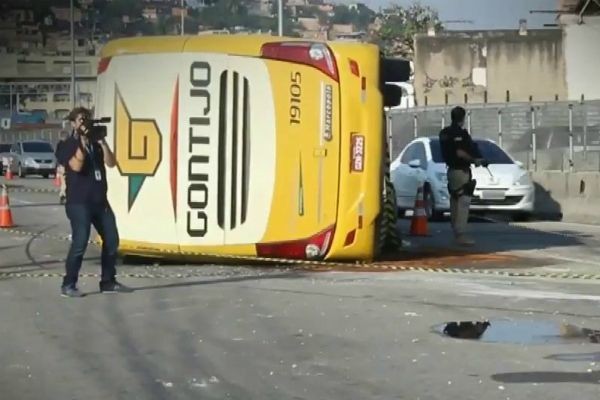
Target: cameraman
[{"x": 84, "y": 157}]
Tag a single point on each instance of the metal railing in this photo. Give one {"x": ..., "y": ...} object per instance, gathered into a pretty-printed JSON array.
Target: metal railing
[
  {"x": 548, "y": 136},
  {"x": 50, "y": 134},
  {"x": 556, "y": 135}
]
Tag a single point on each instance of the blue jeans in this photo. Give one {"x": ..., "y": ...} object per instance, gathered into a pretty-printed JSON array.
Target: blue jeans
[{"x": 82, "y": 216}]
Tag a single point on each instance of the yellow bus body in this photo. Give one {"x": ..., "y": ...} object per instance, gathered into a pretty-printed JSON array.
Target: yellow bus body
[{"x": 222, "y": 151}]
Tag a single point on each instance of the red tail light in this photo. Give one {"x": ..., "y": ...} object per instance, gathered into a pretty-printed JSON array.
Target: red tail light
[
  {"x": 103, "y": 64},
  {"x": 313, "y": 247},
  {"x": 317, "y": 55}
]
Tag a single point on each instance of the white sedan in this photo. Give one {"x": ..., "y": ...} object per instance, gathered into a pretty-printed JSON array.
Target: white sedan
[{"x": 505, "y": 186}]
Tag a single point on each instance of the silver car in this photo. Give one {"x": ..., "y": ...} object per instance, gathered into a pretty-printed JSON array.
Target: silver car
[
  {"x": 4, "y": 153},
  {"x": 32, "y": 157}
]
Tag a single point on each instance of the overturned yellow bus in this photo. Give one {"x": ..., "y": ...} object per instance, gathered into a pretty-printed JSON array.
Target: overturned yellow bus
[{"x": 244, "y": 145}]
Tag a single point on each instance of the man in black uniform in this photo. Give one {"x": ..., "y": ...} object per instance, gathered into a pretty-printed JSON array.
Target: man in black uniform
[{"x": 459, "y": 152}]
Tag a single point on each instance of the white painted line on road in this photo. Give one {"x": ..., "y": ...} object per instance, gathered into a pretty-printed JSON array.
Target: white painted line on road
[
  {"x": 576, "y": 224},
  {"x": 552, "y": 269},
  {"x": 19, "y": 201},
  {"x": 571, "y": 259},
  {"x": 533, "y": 294}
]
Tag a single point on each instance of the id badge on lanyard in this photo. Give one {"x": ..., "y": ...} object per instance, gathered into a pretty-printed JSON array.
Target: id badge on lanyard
[{"x": 97, "y": 173}]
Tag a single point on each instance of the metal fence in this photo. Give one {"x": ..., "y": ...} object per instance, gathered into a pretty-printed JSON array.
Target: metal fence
[
  {"x": 15, "y": 135},
  {"x": 548, "y": 136},
  {"x": 551, "y": 136}
]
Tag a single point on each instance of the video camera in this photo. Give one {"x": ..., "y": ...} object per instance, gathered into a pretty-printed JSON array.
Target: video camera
[{"x": 95, "y": 128}]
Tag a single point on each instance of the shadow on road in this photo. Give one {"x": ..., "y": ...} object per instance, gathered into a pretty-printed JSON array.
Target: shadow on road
[
  {"x": 544, "y": 206},
  {"x": 492, "y": 236},
  {"x": 14, "y": 246},
  {"x": 286, "y": 275},
  {"x": 548, "y": 377},
  {"x": 575, "y": 357},
  {"x": 40, "y": 263}
]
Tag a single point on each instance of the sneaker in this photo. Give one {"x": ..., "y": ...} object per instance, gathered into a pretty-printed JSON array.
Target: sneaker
[
  {"x": 70, "y": 292},
  {"x": 62, "y": 199},
  {"x": 114, "y": 287}
]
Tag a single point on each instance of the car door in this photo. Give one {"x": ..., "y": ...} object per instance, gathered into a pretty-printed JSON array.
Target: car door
[
  {"x": 402, "y": 175},
  {"x": 15, "y": 154},
  {"x": 417, "y": 175}
]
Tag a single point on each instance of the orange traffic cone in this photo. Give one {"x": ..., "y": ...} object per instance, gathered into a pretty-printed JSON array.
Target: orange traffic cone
[
  {"x": 6, "y": 220},
  {"x": 8, "y": 175},
  {"x": 56, "y": 178},
  {"x": 418, "y": 224}
]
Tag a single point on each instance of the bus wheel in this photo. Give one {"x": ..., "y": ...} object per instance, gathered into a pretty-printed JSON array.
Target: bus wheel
[{"x": 388, "y": 239}]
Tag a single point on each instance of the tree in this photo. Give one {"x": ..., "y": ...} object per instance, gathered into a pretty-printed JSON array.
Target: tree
[
  {"x": 234, "y": 13},
  {"x": 400, "y": 24},
  {"x": 118, "y": 8},
  {"x": 321, "y": 16},
  {"x": 360, "y": 16}
]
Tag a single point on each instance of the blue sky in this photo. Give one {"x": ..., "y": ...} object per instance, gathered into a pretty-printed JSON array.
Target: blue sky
[{"x": 485, "y": 14}]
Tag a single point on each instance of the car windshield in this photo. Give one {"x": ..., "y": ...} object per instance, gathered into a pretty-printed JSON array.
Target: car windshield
[
  {"x": 37, "y": 147},
  {"x": 490, "y": 151}
]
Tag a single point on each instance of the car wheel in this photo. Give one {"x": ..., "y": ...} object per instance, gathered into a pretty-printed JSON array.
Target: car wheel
[
  {"x": 20, "y": 172},
  {"x": 46, "y": 176},
  {"x": 432, "y": 213}
]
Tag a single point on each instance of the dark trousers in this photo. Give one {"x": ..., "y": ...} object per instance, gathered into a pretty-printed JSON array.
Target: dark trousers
[{"x": 82, "y": 217}]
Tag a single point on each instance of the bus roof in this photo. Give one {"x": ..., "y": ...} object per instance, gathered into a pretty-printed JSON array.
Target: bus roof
[
  {"x": 176, "y": 44},
  {"x": 237, "y": 44}
]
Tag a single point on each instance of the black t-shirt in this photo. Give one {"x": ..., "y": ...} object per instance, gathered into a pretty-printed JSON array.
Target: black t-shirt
[
  {"x": 83, "y": 186},
  {"x": 453, "y": 138}
]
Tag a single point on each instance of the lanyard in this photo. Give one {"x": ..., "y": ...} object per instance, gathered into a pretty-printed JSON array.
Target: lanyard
[{"x": 90, "y": 149}]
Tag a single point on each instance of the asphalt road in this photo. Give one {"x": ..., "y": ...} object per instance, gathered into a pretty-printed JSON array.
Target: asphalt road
[{"x": 239, "y": 332}]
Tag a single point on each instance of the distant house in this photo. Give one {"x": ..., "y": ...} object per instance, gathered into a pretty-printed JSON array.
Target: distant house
[
  {"x": 261, "y": 7},
  {"x": 296, "y": 3},
  {"x": 21, "y": 15},
  {"x": 342, "y": 28},
  {"x": 64, "y": 14},
  {"x": 315, "y": 35},
  {"x": 309, "y": 24},
  {"x": 177, "y": 11},
  {"x": 150, "y": 13},
  {"x": 326, "y": 8}
]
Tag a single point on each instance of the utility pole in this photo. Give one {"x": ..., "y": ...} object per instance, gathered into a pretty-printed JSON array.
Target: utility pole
[
  {"x": 182, "y": 17},
  {"x": 280, "y": 17},
  {"x": 73, "y": 102}
]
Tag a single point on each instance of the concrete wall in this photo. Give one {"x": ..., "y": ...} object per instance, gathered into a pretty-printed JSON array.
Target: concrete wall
[
  {"x": 531, "y": 65},
  {"x": 571, "y": 197},
  {"x": 474, "y": 63},
  {"x": 582, "y": 55}
]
